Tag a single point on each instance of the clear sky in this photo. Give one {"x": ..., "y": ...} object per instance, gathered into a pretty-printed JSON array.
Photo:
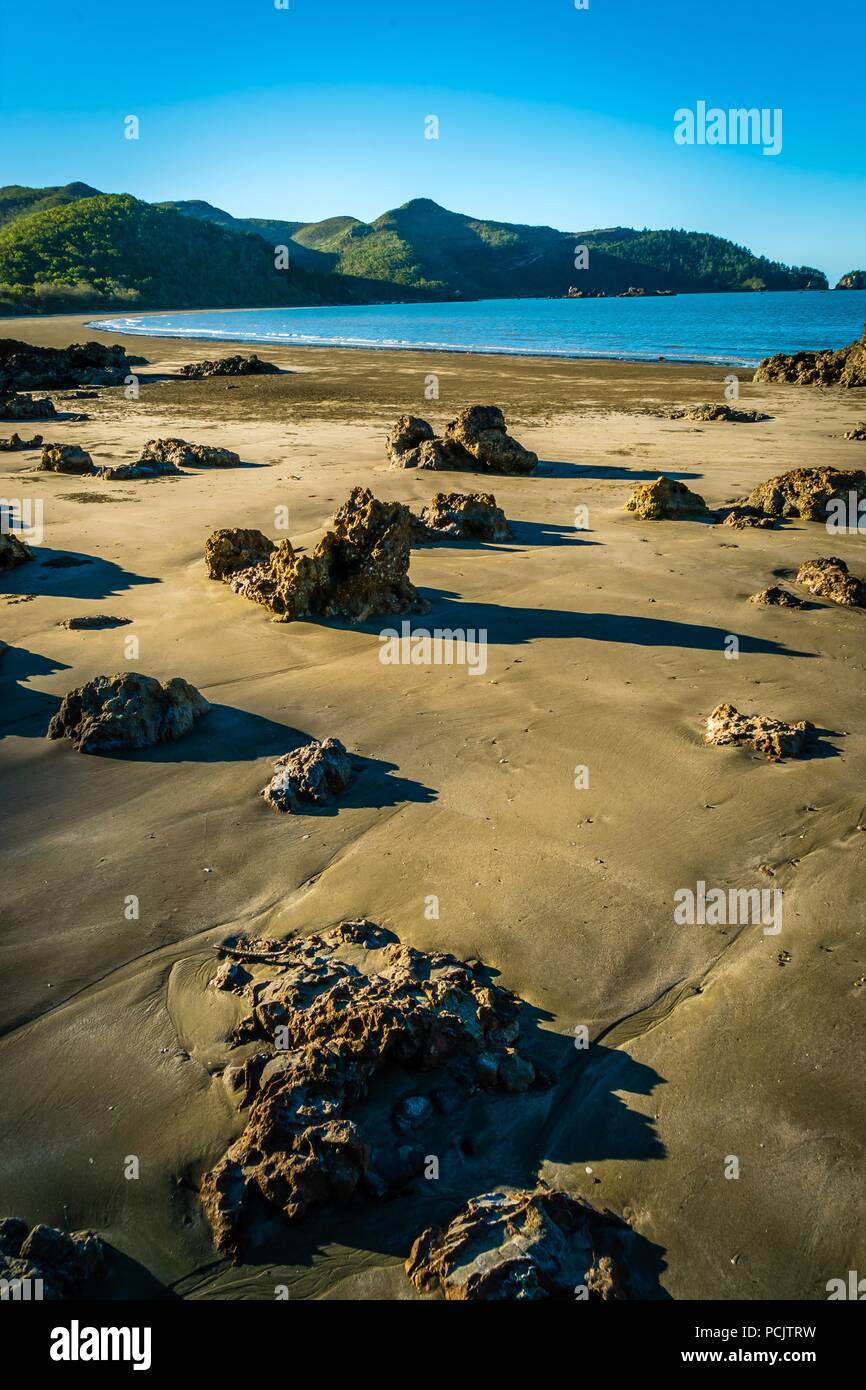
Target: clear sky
[{"x": 548, "y": 114}]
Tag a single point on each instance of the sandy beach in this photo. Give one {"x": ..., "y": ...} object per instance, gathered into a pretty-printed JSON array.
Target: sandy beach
[{"x": 606, "y": 650}]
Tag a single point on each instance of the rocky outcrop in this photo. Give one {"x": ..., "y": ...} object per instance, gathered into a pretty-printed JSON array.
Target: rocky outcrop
[
  {"x": 25, "y": 407},
  {"x": 524, "y": 1244},
  {"x": 710, "y": 413},
  {"x": 857, "y": 431},
  {"x": 638, "y": 292},
  {"x": 65, "y": 458},
  {"x": 843, "y": 367},
  {"x": 230, "y": 550},
  {"x": 776, "y": 740},
  {"x": 315, "y": 774},
  {"x": 237, "y": 365},
  {"x": 185, "y": 455},
  {"x": 15, "y": 443},
  {"x": 24, "y": 367},
  {"x": 463, "y": 516},
  {"x": 359, "y": 568},
  {"x": 67, "y": 1265},
  {"x": 854, "y": 280},
  {"x": 477, "y": 439},
  {"x": 13, "y": 551},
  {"x": 666, "y": 498},
  {"x": 127, "y": 711},
  {"x": 806, "y": 492},
  {"x": 574, "y": 293},
  {"x": 93, "y": 622},
  {"x": 742, "y": 517},
  {"x": 141, "y": 468},
  {"x": 334, "y": 1023},
  {"x": 777, "y": 597},
  {"x": 829, "y": 578}
]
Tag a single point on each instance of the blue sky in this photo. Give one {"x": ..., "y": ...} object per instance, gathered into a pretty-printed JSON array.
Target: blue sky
[{"x": 548, "y": 114}]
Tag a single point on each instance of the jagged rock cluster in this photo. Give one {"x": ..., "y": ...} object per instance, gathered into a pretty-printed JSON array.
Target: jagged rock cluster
[
  {"x": 775, "y": 739},
  {"x": 24, "y": 407},
  {"x": 237, "y": 365},
  {"x": 66, "y": 1264},
  {"x": 710, "y": 413},
  {"x": 777, "y": 597},
  {"x": 313, "y": 774},
  {"x": 844, "y": 367},
  {"x": 359, "y": 567},
  {"x": 665, "y": 498},
  {"x": 857, "y": 431},
  {"x": 231, "y": 550},
  {"x": 127, "y": 711},
  {"x": 13, "y": 551},
  {"x": 477, "y": 439},
  {"x": 741, "y": 517},
  {"x": 184, "y": 455},
  {"x": 330, "y": 1014},
  {"x": 804, "y": 492},
  {"x": 829, "y": 578},
  {"x": 65, "y": 458},
  {"x": 24, "y": 367},
  {"x": 15, "y": 443},
  {"x": 140, "y": 468},
  {"x": 524, "y": 1244},
  {"x": 462, "y": 516}
]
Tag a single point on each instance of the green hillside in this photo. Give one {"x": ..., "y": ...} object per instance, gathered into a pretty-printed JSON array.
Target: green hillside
[{"x": 16, "y": 201}]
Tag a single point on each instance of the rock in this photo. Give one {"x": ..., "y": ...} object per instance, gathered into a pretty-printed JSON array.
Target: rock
[
  {"x": 807, "y": 492},
  {"x": 68, "y": 1265},
  {"x": 358, "y": 568},
  {"x": 574, "y": 293},
  {"x": 829, "y": 578},
  {"x": 710, "y": 413},
  {"x": 515, "y": 1073},
  {"x": 93, "y": 622},
  {"x": 854, "y": 280},
  {"x": 141, "y": 468},
  {"x": 844, "y": 367},
  {"x": 15, "y": 442},
  {"x": 228, "y": 551},
  {"x": 237, "y": 365},
  {"x": 65, "y": 458},
  {"x": 23, "y": 366},
  {"x": 315, "y": 773},
  {"x": 464, "y": 516},
  {"x": 184, "y": 455},
  {"x": 776, "y": 597},
  {"x": 13, "y": 551},
  {"x": 232, "y": 976},
  {"x": 857, "y": 431},
  {"x": 665, "y": 498},
  {"x": 479, "y": 430},
  {"x": 742, "y": 517},
  {"x": 342, "y": 1015},
  {"x": 405, "y": 439},
  {"x": 127, "y": 711},
  {"x": 477, "y": 439},
  {"x": 523, "y": 1244},
  {"x": 726, "y": 726},
  {"x": 24, "y": 407}
]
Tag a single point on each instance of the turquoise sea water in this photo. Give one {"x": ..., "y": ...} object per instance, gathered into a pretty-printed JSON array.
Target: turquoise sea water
[{"x": 728, "y": 329}]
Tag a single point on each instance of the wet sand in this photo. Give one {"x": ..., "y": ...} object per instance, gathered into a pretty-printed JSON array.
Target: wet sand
[{"x": 606, "y": 650}]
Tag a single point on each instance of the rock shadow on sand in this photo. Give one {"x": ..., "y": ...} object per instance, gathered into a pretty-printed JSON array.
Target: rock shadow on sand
[
  {"x": 23, "y": 711},
  {"x": 71, "y": 574}
]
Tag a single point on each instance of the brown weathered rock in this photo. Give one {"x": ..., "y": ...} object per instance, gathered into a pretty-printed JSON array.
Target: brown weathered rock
[
  {"x": 857, "y": 431},
  {"x": 523, "y": 1244},
  {"x": 185, "y": 455},
  {"x": 403, "y": 443},
  {"x": 315, "y": 773},
  {"x": 330, "y": 1025},
  {"x": 776, "y": 597},
  {"x": 359, "y": 568},
  {"x": 742, "y": 517},
  {"x": 480, "y": 431},
  {"x": 772, "y": 737},
  {"x": 710, "y": 413},
  {"x": 25, "y": 407},
  {"x": 15, "y": 443},
  {"x": 65, "y": 458},
  {"x": 13, "y": 551},
  {"x": 464, "y": 516},
  {"x": 94, "y": 622},
  {"x": 237, "y": 365},
  {"x": 66, "y": 1264},
  {"x": 233, "y": 549},
  {"x": 807, "y": 492},
  {"x": 665, "y": 498},
  {"x": 23, "y": 366},
  {"x": 127, "y": 711},
  {"x": 141, "y": 468},
  {"x": 845, "y": 367},
  {"x": 829, "y": 578}
]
